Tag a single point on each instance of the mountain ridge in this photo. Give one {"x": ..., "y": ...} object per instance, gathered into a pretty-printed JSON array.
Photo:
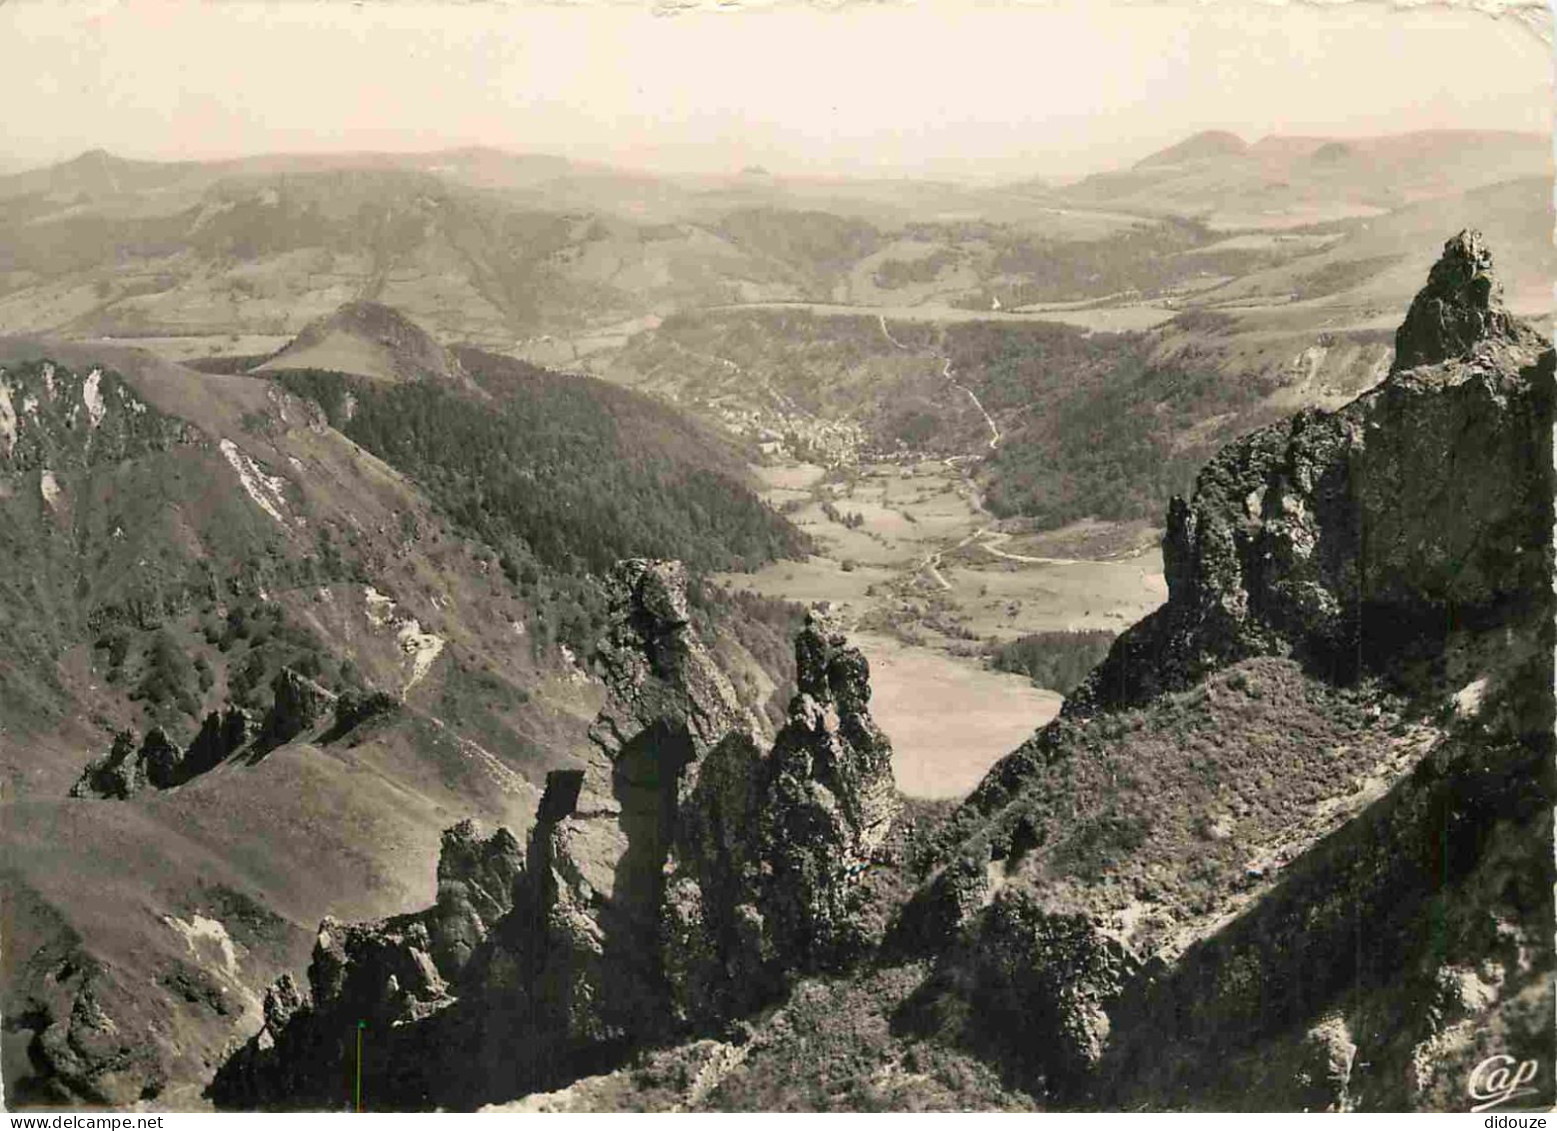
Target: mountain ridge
[{"x": 1273, "y": 596}]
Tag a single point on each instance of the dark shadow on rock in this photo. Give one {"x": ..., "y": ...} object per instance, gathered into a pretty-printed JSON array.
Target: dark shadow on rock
[{"x": 645, "y": 782}]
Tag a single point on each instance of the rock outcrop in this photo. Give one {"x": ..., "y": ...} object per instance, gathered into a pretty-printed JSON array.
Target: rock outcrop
[
  {"x": 116, "y": 775},
  {"x": 355, "y": 708},
  {"x": 738, "y": 864},
  {"x": 159, "y": 762},
  {"x": 674, "y": 882},
  {"x": 394, "y": 977},
  {"x": 299, "y": 706},
  {"x": 827, "y": 804},
  {"x": 1031, "y": 989},
  {"x": 477, "y": 878},
  {"x": 1461, "y": 307}
]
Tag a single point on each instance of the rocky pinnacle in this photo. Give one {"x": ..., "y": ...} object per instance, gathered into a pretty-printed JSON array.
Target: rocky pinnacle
[{"x": 1461, "y": 305}]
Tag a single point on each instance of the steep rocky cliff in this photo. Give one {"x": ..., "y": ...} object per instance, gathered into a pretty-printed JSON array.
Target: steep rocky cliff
[
  {"x": 1293, "y": 835},
  {"x": 678, "y": 881},
  {"x": 1344, "y": 538}
]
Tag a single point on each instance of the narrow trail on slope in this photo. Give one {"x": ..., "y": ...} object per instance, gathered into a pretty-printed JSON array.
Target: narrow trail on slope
[
  {"x": 994, "y": 430},
  {"x": 932, "y": 562},
  {"x": 882, "y": 319},
  {"x": 946, "y": 372},
  {"x": 993, "y": 539},
  {"x": 932, "y": 566}
]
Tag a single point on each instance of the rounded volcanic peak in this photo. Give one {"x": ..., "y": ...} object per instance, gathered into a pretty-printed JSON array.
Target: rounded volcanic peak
[
  {"x": 1332, "y": 153},
  {"x": 1204, "y": 146},
  {"x": 1460, "y": 307},
  {"x": 91, "y": 159},
  {"x": 371, "y": 340}
]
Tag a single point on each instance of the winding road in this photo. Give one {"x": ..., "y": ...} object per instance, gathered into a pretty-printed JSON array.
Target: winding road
[
  {"x": 932, "y": 563},
  {"x": 989, "y": 541},
  {"x": 994, "y": 429},
  {"x": 946, "y": 372},
  {"x": 995, "y": 538}
]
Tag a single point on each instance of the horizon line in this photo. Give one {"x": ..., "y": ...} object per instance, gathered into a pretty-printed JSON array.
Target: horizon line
[{"x": 759, "y": 167}]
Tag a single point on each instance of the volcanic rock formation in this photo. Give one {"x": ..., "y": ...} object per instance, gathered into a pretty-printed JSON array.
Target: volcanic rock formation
[
  {"x": 1461, "y": 306},
  {"x": 1393, "y": 556},
  {"x": 299, "y": 706},
  {"x": 1344, "y": 537},
  {"x": 671, "y": 884},
  {"x": 1287, "y": 847},
  {"x": 159, "y": 761}
]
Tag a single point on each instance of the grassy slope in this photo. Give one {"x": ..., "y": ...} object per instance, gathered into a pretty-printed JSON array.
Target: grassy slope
[{"x": 163, "y": 544}]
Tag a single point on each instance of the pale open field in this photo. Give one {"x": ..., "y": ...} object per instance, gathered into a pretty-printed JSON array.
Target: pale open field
[
  {"x": 1112, "y": 318},
  {"x": 1003, "y": 601},
  {"x": 948, "y": 720},
  {"x": 791, "y": 476},
  {"x": 217, "y": 345}
]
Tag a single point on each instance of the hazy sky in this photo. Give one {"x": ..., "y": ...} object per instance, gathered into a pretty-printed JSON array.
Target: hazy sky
[{"x": 964, "y": 89}]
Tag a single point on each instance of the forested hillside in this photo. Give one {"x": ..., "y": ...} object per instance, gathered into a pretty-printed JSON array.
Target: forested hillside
[{"x": 561, "y": 475}]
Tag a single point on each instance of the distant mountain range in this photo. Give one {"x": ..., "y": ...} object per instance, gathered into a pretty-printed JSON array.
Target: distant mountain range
[
  {"x": 505, "y": 250},
  {"x": 1268, "y": 271}
]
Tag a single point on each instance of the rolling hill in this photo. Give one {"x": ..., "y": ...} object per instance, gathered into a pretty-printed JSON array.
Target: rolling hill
[
  {"x": 369, "y": 340},
  {"x": 560, "y": 262},
  {"x": 1290, "y": 182},
  {"x": 1207, "y": 145}
]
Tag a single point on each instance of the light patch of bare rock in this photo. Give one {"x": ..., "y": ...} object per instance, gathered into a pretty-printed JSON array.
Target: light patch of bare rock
[{"x": 267, "y": 491}]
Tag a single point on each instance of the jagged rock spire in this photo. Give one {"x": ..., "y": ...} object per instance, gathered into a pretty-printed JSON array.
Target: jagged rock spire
[
  {"x": 830, "y": 719},
  {"x": 677, "y": 880},
  {"x": 1462, "y": 304},
  {"x": 656, "y": 669}
]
